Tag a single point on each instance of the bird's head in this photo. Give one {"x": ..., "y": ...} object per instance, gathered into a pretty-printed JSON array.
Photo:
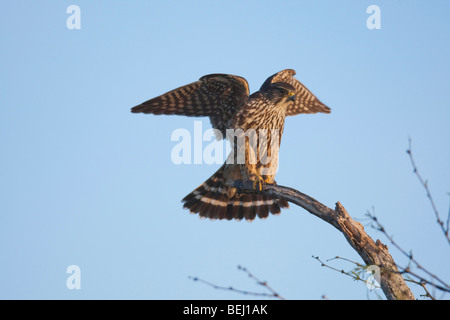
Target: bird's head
[{"x": 281, "y": 93}]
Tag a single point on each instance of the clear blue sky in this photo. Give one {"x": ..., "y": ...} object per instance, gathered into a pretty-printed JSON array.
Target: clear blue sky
[{"x": 85, "y": 182}]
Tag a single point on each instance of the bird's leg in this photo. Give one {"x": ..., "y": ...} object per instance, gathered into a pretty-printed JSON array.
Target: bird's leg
[
  {"x": 249, "y": 172},
  {"x": 258, "y": 183}
]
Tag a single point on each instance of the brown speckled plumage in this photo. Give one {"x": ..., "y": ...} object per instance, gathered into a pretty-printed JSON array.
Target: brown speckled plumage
[{"x": 225, "y": 100}]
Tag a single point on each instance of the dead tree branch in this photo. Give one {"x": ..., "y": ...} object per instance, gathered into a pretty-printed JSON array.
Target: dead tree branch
[{"x": 372, "y": 253}]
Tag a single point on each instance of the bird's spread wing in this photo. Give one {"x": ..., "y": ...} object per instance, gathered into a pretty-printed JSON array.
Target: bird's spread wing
[
  {"x": 305, "y": 101},
  {"x": 217, "y": 96}
]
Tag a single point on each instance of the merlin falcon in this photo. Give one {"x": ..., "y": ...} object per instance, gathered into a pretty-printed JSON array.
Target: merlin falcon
[{"x": 226, "y": 100}]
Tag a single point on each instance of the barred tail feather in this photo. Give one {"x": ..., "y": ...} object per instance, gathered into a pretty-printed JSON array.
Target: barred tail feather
[{"x": 213, "y": 200}]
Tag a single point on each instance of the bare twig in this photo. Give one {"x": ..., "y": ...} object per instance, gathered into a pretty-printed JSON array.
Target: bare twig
[
  {"x": 272, "y": 294},
  {"x": 262, "y": 283},
  {"x": 423, "y": 284},
  {"x": 424, "y": 183},
  {"x": 348, "y": 260},
  {"x": 438, "y": 283},
  {"x": 427, "y": 293},
  {"x": 355, "y": 274},
  {"x": 448, "y": 215}
]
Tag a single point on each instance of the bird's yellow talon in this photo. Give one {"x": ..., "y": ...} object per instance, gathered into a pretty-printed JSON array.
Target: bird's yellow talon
[{"x": 258, "y": 182}]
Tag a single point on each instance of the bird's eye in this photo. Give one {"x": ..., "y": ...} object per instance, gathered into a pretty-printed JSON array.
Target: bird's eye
[{"x": 282, "y": 90}]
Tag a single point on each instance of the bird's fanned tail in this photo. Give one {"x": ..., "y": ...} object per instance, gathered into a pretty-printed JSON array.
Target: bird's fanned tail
[{"x": 215, "y": 200}]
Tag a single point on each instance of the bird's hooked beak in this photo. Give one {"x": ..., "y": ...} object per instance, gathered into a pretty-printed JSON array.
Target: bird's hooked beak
[{"x": 291, "y": 96}]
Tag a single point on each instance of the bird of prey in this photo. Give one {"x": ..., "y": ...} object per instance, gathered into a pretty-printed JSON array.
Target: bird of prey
[{"x": 226, "y": 100}]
